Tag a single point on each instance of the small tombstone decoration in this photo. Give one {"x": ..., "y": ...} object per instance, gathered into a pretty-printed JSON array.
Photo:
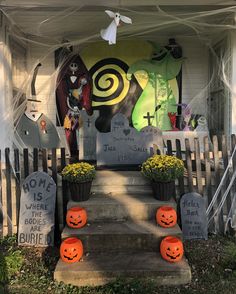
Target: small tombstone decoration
[
  {"x": 37, "y": 208},
  {"x": 119, "y": 121},
  {"x": 193, "y": 216},
  {"x": 156, "y": 133},
  {"x": 123, "y": 145},
  {"x": 88, "y": 136}
]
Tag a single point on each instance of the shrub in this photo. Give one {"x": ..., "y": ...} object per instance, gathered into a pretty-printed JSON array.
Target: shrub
[
  {"x": 162, "y": 168},
  {"x": 10, "y": 264},
  {"x": 79, "y": 172}
]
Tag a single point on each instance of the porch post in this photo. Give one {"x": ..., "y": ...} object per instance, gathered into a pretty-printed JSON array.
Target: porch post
[
  {"x": 233, "y": 83},
  {"x": 6, "y": 101}
]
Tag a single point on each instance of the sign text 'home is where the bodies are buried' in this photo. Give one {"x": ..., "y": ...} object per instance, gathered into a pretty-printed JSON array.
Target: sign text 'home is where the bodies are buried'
[{"x": 37, "y": 209}]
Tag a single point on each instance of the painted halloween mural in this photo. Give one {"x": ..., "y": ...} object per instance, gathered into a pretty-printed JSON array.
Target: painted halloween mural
[
  {"x": 74, "y": 88},
  {"x": 34, "y": 128},
  {"x": 130, "y": 79},
  {"x": 135, "y": 78}
]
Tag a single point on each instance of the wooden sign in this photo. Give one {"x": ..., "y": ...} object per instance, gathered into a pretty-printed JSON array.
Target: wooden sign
[
  {"x": 123, "y": 145},
  {"x": 37, "y": 208},
  {"x": 88, "y": 136},
  {"x": 193, "y": 216}
]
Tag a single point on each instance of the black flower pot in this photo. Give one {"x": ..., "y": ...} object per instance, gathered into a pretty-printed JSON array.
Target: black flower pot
[
  {"x": 163, "y": 191},
  {"x": 80, "y": 191}
]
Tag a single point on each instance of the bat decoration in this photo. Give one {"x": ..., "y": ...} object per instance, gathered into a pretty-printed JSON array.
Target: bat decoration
[{"x": 109, "y": 34}]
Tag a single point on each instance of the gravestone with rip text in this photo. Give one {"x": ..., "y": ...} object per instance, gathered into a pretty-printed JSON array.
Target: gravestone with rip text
[
  {"x": 37, "y": 209},
  {"x": 193, "y": 216}
]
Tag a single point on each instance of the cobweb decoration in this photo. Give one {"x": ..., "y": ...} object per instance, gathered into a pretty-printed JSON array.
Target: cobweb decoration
[
  {"x": 231, "y": 218},
  {"x": 59, "y": 21},
  {"x": 218, "y": 200}
]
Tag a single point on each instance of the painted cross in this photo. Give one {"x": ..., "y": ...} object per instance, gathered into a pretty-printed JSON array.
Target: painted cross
[
  {"x": 148, "y": 117},
  {"x": 88, "y": 122}
]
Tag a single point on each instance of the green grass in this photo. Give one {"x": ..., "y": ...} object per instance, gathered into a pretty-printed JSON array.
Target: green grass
[
  {"x": 30, "y": 271},
  {"x": 11, "y": 259}
]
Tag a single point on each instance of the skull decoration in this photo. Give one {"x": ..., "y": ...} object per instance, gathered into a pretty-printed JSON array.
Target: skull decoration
[
  {"x": 166, "y": 217},
  {"x": 74, "y": 67},
  {"x": 71, "y": 250},
  {"x": 76, "y": 217},
  {"x": 171, "y": 249}
]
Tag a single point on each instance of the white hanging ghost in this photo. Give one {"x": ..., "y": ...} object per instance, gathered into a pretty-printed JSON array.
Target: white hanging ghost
[{"x": 109, "y": 34}]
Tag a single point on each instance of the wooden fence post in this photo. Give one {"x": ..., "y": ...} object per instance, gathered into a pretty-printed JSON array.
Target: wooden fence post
[
  {"x": 4, "y": 199},
  {"x": 208, "y": 181},
  {"x": 1, "y": 196},
  {"x": 45, "y": 160},
  {"x": 17, "y": 183},
  {"x": 180, "y": 180},
  {"x": 26, "y": 163},
  {"x": 169, "y": 148},
  {"x": 198, "y": 166},
  {"x": 179, "y": 155},
  {"x": 9, "y": 192},
  {"x": 59, "y": 203},
  {"x": 189, "y": 165},
  {"x": 217, "y": 179},
  {"x": 35, "y": 159},
  {"x": 65, "y": 197},
  {"x": 226, "y": 162}
]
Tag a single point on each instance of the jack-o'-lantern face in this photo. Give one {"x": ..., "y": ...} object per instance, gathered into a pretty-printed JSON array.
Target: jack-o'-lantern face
[
  {"x": 171, "y": 249},
  {"x": 166, "y": 217},
  {"x": 71, "y": 250},
  {"x": 76, "y": 217}
]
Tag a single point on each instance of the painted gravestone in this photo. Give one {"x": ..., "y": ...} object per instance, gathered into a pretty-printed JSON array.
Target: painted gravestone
[
  {"x": 193, "y": 216},
  {"x": 156, "y": 133},
  {"x": 37, "y": 207},
  {"x": 119, "y": 121},
  {"x": 123, "y": 145},
  {"x": 88, "y": 136}
]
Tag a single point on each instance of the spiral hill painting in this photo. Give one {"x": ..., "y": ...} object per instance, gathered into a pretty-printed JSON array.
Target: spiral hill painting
[
  {"x": 112, "y": 91},
  {"x": 110, "y": 83}
]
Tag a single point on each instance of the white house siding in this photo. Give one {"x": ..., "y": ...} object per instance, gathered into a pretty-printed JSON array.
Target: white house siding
[
  {"x": 195, "y": 77},
  {"x": 195, "y": 74}
]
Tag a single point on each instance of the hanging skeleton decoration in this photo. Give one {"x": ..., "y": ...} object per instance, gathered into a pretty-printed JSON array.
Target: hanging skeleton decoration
[{"x": 109, "y": 34}]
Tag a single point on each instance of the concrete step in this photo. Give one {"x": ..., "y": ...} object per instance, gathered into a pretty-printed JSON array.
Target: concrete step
[
  {"x": 122, "y": 189},
  {"x": 120, "y": 178},
  {"x": 121, "y": 236},
  {"x": 121, "y": 206},
  {"x": 99, "y": 269}
]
